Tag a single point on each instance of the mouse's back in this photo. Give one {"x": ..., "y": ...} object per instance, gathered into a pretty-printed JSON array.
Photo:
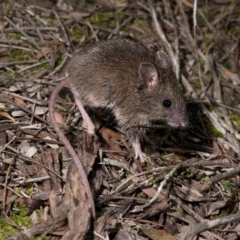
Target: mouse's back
[
  {"x": 107, "y": 70},
  {"x": 125, "y": 76}
]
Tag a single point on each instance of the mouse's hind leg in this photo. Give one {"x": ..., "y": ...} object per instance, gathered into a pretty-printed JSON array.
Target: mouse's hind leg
[{"x": 87, "y": 122}]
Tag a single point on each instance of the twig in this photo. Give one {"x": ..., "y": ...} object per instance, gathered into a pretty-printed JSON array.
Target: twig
[
  {"x": 163, "y": 38},
  {"x": 195, "y": 229}
]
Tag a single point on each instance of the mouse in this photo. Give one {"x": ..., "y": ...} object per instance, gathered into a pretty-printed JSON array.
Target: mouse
[{"x": 137, "y": 85}]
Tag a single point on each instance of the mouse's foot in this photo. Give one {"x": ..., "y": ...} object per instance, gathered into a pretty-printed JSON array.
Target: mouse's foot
[
  {"x": 142, "y": 157},
  {"x": 87, "y": 122},
  {"x": 139, "y": 154},
  {"x": 89, "y": 127}
]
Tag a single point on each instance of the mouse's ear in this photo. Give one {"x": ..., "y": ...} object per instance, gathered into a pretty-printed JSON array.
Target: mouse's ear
[{"x": 149, "y": 75}]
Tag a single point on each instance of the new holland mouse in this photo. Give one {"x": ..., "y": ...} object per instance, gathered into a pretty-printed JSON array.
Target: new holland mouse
[{"x": 123, "y": 76}]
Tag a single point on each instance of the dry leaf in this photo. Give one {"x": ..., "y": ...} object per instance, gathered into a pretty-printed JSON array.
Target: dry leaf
[
  {"x": 44, "y": 50},
  {"x": 59, "y": 118},
  {"x": 19, "y": 101},
  {"x": 6, "y": 115},
  {"x": 157, "y": 234}
]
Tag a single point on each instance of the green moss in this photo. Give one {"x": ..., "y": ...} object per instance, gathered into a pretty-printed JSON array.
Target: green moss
[
  {"x": 16, "y": 36},
  {"x": 186, "y": 173},
  {"x": 75, "y": 33},
  {"x": 5, "y": 229},
  {"x": 213, "y": 131},
  {"x": 236, "y": 118},
  {"x": 140, "y": 23},
  {"x": 229, "y": 187},
  {"x": 101, "y": 20},
  {"x": 15, "y": 55},
  {"x": 19, "y": 216},
  {"x": 233, "y": 32}
]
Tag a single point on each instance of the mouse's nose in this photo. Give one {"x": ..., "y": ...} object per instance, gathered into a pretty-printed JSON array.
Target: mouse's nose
[{"x": 177, "y": 120}]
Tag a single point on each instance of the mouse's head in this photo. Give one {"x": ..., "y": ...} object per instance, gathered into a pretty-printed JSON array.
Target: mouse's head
[{"x": 162, "y": 98}]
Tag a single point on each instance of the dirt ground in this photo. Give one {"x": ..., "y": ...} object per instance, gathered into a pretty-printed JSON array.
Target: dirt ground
[{"x": 188, "y": 188}]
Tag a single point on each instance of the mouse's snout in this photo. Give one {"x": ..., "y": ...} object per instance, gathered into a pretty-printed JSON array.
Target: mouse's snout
[{"x": 177, "y": 120}]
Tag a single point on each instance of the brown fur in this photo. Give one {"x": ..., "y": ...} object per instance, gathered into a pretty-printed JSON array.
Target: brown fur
[{"x": 107, "y": 75}]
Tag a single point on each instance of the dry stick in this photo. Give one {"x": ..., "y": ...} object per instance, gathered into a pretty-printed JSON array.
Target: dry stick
[
  {"x": 35, "y": 28},
  {"x": 62, "y": 27},
  {"x": 192, "y": 213},
  {"x": 68, "y": 145},
  {"x": 92, "y": 30},
  {"x": 5, "y": 187},
  {"x": 195, "y": 229},
  {"x": 9, "y": 30},
  {"x": 176, "y": 32},
  {"x": 22, "y": 108},
  {"x": 159, "y": 190},
  {"x": 162, "y": 36},
  {"x": 28, "y": 38},
  {"x": 192, "y": 40},
  {"x": 17, "y": 47},
  {"x": 220, "y": 177},
  {"x": 41, "y": 103},
  {"x": 59, "y": 66}
]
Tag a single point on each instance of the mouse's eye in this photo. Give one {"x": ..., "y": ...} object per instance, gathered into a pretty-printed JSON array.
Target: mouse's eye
[{"x": 167, "y": 103}]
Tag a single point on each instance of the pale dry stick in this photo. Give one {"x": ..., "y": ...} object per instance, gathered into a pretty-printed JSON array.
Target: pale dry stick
[
  {"x": 36, "y": 29},
  {"x": 119, "y": 26},
  {"x": 114, "y": 163},
  {"x": 175, "y": 29},
  {"x": 205, "y": 20},
  {"x": 62, "y": 27},
  {"x": 192, "y": 40},
  {"x": 30, "y": 12},
  {"x": 227, "y": 126},
  {"x": 20, "y": 48},
  {"x": 159, "y": 190},
  {"x": 12, "y": 190},
  {"x": 195, "y": 229},
  {"x": 225, "y": 106},
  {"x": 7, "y": 144},
  {"x": 32, "y": 41},
  {"x": 222, "y": 176},
  {"x": 6, "y": 64},
  {"x": 100, "y": 236},
  {"x": 186, "y": 24},
  {"x": 40, "y": 8},
  {"x": 163, "y": 38},
  {"x": 31, "y": 66},
  {"x": 42, "y": 103},
  {"x": 9, "y": 30},
  {"x": 217, "y": 92},
  {"x": 5, "y": 187},
  {"x": 59, "y": 66},
  {"x": 195, "y": 18},
  {"x": 92, "y": 30},
  {"x": 39, "y": 179},
  {"x": 163, "y": 183},
  {"x": 10, "y": 41}
]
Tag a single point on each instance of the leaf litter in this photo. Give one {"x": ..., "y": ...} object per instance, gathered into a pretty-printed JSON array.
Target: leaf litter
[{"x": 190, "y": 184}]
